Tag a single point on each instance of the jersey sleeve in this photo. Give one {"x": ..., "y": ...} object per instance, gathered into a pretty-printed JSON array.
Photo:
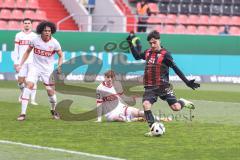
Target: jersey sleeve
[{"x": 169, "y": 60}]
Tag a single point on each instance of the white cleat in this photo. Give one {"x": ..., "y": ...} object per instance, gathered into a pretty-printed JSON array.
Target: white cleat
[
  {"x": 21, "y": 117},
  {"x": 34, "y": 103},
  {"x": 55, "y": 114},
  {"x": 188, "y": 104}
]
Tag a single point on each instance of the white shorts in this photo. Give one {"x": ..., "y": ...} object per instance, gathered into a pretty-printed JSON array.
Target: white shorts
[
  {"x": 24, "y": 70},
  {"x": 34, "y": 74},
  {"x": 118, "y": 113}
]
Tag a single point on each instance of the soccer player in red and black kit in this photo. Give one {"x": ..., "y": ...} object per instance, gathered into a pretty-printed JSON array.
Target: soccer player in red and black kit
[{"x": 156, "y": 76}]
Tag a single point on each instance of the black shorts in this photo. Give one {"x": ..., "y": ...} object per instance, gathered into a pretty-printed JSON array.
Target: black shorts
[{"x": 165, "y": 92}]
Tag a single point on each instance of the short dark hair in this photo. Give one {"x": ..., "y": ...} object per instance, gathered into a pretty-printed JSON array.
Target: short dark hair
[
  {"x": 41, "y": 26},
  {"x": 27, "y": 19},
  {"x": 109, "y": 73},
  {"x": 154, "y": 34}
]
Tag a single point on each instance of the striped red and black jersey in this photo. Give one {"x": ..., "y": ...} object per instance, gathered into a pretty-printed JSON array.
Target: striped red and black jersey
[{"x": 157, "y": 66}]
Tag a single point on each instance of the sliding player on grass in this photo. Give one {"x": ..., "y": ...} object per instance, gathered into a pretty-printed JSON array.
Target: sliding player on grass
[{"x": 110, "y": 101}]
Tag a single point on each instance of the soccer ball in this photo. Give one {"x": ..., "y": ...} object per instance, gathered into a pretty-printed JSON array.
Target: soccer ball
[{"x": 157, "y": 129}]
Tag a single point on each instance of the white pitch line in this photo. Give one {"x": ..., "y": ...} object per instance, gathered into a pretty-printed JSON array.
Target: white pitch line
[
  {"x": 59, "y": 150},
  {"x": 209, "y": 101}
]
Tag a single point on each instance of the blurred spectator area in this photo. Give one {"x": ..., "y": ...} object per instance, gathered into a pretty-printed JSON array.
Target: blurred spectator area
[
  {"x": 193, "y": 16},
  {"x": 12, "y": 12},
  {"x": 89, "y": 5}
]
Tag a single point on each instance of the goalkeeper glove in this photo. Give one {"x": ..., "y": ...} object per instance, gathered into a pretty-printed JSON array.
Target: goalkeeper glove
[{"x": 192, "y": 84}]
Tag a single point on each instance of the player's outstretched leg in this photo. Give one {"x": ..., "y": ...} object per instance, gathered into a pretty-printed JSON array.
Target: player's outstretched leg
[{"x": 149, "y": 116}]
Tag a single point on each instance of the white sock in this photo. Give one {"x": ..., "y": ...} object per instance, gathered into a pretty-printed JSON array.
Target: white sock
[
  {"x": 53, "y": 101},
  {"x": 33, "y": 93},
  {"x": 25, "y": 99}
]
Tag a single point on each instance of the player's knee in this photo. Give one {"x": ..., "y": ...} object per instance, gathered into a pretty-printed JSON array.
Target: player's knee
[
  {"x": 176, "y": 107},
  {"x": 21, "y": 79},
  {"x": 21, "y": 85},
  {"x": 30, "y": 85},
  {"x": 147, "y": 105},
  {"x": 50, "y": 92}
]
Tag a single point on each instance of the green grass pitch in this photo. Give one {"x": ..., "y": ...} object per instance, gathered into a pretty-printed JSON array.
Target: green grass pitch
[{"x": 213, "y": 134}]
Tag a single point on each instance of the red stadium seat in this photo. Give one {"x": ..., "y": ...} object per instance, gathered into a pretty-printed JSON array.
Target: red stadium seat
[
  {"x": 235, "y": 20},
  {"x": 192, "y": 19},
  {"x": 40, "y": 15},
  {"x": 224, "y": 20},
  {"x": 159, "y": 28},
  {"x": 171, "y": 19},
  {"x": 21, "y": 4},
  {"x": 29, "y": 14},
  {"x": 202, "y": 30},
  {"x": 33, "y": 4},
  {"x": 213, "y": 30},
  {"x": 203, "y": 19},
  {"x": 3, "y": 24},
  {"x": 1, "y": 3},
  {"x": 182, "y": 19},
  {"x": 234, "y": 31},
  {"x": 5, "y": 14},
  {"x": 9, "y": 4},
  {"x": 14, "y": 25},
  {"x": 35, "y": 23},
  {"x": 180, "y": 29},
  {"x": 153, "y": 19},
  {"x": 153, "y": 8},
  {"x": 169, "y": 29},
  {"x": 17, "y": 14},
  {"x": 214, "y": 20},
  {"x": 191, "y": 29}
]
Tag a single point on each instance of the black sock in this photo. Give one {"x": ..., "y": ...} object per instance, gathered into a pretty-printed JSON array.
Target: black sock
[
  {"x": 149, "y": 117},
  {"x": 181, "y": 103}
]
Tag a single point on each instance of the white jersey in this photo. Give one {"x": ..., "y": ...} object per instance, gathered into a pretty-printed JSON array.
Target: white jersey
[
  {"x": 110, "y": 97},
  {"x": 43, "y": 53},
  {"x": 22, "y": 41}
]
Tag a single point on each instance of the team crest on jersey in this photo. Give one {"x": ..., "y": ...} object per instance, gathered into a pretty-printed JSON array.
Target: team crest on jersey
[{"x": 151, "y": 61}]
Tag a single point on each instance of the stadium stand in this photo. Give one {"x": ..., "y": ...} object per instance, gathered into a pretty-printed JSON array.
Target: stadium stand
[
  {"x": 12, "y": 12},
  {"x": 167, "y": 16},
  {"x": 196, "y": 16},
  {"x": 127, "y": 12}
]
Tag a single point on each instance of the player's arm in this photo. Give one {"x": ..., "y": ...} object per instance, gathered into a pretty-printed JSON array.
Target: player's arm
[
  {"x": 130, "y": 100},
  {"x": 60, "y": 60},
  {"x": 99, "y": 106},
  {"x": 135, "y": 47},
  {"x": 24, "y": 58},
  {"x": 189, "y": 83},
  {"x": 15, "y": 53}
]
